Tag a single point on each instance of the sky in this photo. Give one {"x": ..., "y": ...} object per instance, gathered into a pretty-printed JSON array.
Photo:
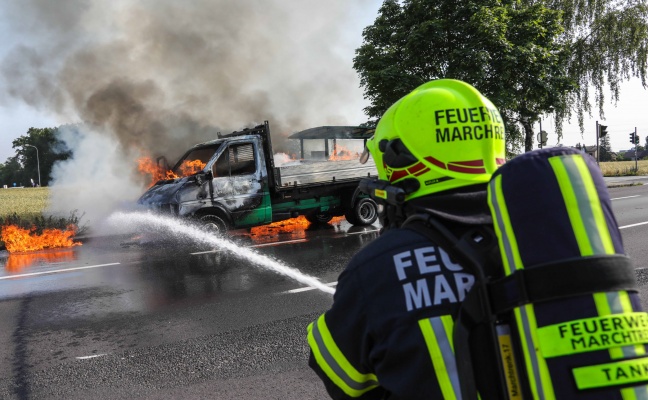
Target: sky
[{"x": 151, "y": 77}]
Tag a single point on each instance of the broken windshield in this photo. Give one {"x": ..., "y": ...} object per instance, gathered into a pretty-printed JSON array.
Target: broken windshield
[{"x": 195, "y": 160}]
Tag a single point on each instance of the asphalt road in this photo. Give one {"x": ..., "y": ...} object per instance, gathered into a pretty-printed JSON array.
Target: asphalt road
[{"x": 120, "y": 319}]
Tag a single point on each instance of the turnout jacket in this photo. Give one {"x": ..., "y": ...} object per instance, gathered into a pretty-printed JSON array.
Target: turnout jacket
[{"x": 388, "y": 334}]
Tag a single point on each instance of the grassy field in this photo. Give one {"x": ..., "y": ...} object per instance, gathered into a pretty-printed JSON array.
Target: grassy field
[
  {"x": 624, "y": 168},
  {"x": 27, "y": 203}
]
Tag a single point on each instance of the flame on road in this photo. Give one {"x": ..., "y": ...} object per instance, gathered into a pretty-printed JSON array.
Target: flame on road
[
  {"x": 18, "y": 262},
  {"x": 295, "y": 227},
  {"x": 18, "y": 239}
]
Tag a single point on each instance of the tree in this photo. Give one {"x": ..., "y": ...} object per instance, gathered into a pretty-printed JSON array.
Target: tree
[
  {"x": 605, "y": 150},
  {"x": 530, "y": 58},
  {"x": 50, "y": 150},
  {"x": 510, "y": 52},
  {"x": 12, "y": 172}
]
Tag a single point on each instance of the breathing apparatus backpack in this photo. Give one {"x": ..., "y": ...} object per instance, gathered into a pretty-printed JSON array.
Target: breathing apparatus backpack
[{"x": 562, "y": 318}]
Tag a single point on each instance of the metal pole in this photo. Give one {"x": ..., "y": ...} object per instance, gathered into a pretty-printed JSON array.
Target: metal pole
[
  {"x": 38, "y": 162},
  {"x": 541, "y": 133},
  {"x": 636, "y": 145},
  {"x": 597, "y": 142}
]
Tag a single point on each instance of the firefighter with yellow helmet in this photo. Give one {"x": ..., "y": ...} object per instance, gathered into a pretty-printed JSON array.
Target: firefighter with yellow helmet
[
  {"x": 459, "y": 297},
  {"x": 388, "y": 333}
]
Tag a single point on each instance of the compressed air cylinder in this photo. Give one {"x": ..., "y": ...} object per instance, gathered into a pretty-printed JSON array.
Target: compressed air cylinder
[{"x": 551, "y": 208}]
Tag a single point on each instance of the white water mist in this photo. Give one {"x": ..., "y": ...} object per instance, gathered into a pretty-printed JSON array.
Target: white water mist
[{"x": 180, "y": 228}]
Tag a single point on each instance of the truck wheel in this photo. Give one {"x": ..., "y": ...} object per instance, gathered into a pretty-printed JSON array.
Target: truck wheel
[
  {"x": 319, "y": 217},
  {"x": 365, "y": 212},
  {"x": 213, "y": 224}
]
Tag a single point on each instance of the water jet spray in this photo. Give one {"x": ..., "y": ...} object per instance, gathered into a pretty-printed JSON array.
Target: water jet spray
[{"x": 181, "y": 228}]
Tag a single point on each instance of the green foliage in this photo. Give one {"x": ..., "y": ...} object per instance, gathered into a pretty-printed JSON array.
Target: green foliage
[
  {"x": 40, "y": 222},
  {"x": 605, "y": 150},
  {"x": 29, "y": 161},
  {"x": 529, "y": 58},
  {"x": 510, "y": 52}
]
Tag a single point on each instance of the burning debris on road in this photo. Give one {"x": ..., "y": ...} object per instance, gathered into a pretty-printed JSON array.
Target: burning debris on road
[{"x": 19, "y": 239}]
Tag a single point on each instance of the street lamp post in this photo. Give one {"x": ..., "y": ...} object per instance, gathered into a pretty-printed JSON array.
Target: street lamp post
[{"x": 37, "y": 163}]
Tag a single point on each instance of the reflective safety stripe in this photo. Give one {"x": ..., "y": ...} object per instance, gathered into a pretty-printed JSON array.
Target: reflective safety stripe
[
  {"x": 583, "y": 204},
  {"x": 334, "y": 363},
  {"x": 591, "y": 334},
  {"x": 612, "y": 374},
  {"x": 593, "y": 237},
  {"x": 615, "y": 304},
  {"x": 503, "y": 227},
  {"x": 538, "y": 372},
  {"x": 437, "y": 332}
]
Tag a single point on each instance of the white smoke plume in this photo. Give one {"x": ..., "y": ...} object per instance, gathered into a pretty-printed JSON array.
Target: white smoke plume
[{"x": 154, "y": 77}]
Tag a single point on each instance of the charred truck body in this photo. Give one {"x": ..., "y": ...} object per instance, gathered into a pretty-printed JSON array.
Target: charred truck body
[{"x": 238, "y": 186}]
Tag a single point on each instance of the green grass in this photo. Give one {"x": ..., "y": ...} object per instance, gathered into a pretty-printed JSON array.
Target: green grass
[{"x": 624, "y": 168}]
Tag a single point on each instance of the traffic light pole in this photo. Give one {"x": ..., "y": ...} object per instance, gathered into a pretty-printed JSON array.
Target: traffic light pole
[
  {"x": 597, "y": 142},
  {"x": 636, "y": 145}
]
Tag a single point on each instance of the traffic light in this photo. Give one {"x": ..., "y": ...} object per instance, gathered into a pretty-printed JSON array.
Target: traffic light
[
  {"x": 602, "y": 130},
  {"x": 632, "y": 137},
  {"x": 636, "y": 139}
]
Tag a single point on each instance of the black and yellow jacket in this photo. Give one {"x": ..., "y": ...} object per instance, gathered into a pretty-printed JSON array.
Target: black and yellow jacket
[{"x": 388, "y": 334}]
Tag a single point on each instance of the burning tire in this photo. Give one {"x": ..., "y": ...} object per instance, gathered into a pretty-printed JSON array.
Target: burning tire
[
  {"x": 365, "y": 212},
  {"x": 213, "y": 224},
  {"x": 319, "y": 217}
]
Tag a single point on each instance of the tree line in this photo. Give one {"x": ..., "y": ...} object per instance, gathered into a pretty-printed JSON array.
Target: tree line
[{"x": 28, "y": 162}]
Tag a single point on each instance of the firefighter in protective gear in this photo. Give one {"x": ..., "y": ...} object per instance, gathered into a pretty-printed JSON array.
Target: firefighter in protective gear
[{"x": 388, "y": 334}]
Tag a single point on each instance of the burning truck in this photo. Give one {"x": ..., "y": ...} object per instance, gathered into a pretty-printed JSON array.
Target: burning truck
[{"x": 232, "y": 182}]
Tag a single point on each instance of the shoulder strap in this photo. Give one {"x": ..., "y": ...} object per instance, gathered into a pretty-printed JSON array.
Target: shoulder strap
[{"x": 474, "y": 250}]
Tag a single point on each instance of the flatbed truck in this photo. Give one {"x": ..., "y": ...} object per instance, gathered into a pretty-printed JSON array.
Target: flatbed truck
[{"x": 238, "y": 186}]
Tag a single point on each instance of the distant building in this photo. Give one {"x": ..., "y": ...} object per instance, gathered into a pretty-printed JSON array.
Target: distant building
[
  {"x": 591, "y": 150},
  {"x": 630, "y": 154}
]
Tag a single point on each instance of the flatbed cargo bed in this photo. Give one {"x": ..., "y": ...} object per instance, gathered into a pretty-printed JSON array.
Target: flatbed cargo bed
[{"x": 310, "y": 172}]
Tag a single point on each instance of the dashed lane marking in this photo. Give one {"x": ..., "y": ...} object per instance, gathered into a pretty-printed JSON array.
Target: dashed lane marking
[
  {"x": 254, "y": 245},
  {"x": 305, "y": 289},
  {"x": 57, "y": 271},
  {"x": 92, "y": 356},
  {"x": 630, "y": 226},
  {"x": 626, "y": 197}
]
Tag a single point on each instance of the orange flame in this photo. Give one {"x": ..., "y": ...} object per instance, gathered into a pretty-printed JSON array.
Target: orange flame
[
  {"x": 147, "y": 166},
  {"x": 295, "y": 227},
  {"x": 20, "y": 239},
  {"x": 341, "y": 153},
  {"x": 17, "y": 262}
]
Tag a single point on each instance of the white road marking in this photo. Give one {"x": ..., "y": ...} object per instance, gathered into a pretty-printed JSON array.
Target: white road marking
[
  {"x": 254, "y": 245},
  {"x": 92, "y": 356},
  {"x": 626, "y": 197},
  {"x": 630, "y": 226},
  {"x": 57, "y": 271},
  {"x": 279, "y": 243},
  {"x": 305, "y": 289},
  {"x": 360, "y": 233}
]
